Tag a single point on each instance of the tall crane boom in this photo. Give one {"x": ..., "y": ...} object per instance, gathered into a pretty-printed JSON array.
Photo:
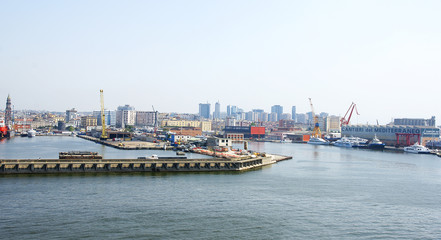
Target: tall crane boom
[
  {"x": 351, "y": 108},
  {"x": 103, "y": 116},
  {"x": 316, "y": 131}
]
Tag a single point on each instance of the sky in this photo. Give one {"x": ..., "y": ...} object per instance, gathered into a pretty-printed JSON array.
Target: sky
[{"x": 385, "y": 56}]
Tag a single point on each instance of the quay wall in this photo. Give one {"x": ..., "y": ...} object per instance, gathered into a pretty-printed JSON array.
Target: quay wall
[{"x": 31, "y": 166}]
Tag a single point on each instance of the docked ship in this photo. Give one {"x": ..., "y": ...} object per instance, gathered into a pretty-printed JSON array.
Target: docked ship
[
  {"x": 358, "y": 142},
  {"x": 376, "y": 144},
  {"x": 318, "y": 141},
  {"x": 343, "y": 142},
  {"x": 32, "y": 133},
  {"x": 417, "y": 148},
  {"x": 3, "y": 129}
]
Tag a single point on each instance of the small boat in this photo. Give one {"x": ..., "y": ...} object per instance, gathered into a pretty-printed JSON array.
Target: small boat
[
  {"x": 376, "y": 144},
  {"x": 343, "y": 142},
  {"x": 417, "y": 148},
  {"x": 286, "y": 140},
  {"x": 318, "y": 141}
]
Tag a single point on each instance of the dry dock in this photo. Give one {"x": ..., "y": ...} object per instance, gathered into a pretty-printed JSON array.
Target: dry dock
[{"x": 19, "y": 166}]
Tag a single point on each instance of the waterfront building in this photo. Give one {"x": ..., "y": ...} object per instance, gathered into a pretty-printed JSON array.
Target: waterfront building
[
  {"x": 88, "y": 121},
  {"x": 109, "y": 117},
  {"x": 216, "y": 114},
  {"x": 187, "y": 131},
  {"x": 204, "y": 110},
  {"x": 332, "y": 124},
  {"x": 71, "y": 114},
  {"x": 278, "y": 110},
  {"x": 293, "y": 113},
  {"x": 393, "y": 135},
  {"x": 125, "y": 116},
  {"x": 61, "y": 126},
  {"x": 415, "y": 121},
  {"x": 247, "y": 131},
  {"x": 146, "y": 118},
  {"x": 8, "y": 112},
  {"x": 204, "y": 125}
]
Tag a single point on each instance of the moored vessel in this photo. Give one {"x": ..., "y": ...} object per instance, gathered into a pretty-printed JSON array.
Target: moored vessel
[
  {"x": 417, "y": 148},
  {"x": 376, "y": 143},
  {"x": 3, "y": 128},
  {"x": 318, "y": 141},
  {"x": 343, "y": 142},
  {"x": 32, "y": 133}
]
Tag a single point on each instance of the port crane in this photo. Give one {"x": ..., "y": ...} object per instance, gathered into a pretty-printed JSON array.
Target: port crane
[
  {"x": 103, "y": 117},
  {"x": 351, "y": 108},
  {"x": 316, "y": 131}
]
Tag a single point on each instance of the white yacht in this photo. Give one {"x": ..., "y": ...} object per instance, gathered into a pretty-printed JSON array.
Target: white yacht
[
  {"x": 358, "y": 142},
  {"x": 416, "y": 148},
  {"x": 286, "y": 140},
  {"x": 318, "y": 141},
  {"x": 32, "y": 133},
  {"x": 343, "y": 142}
]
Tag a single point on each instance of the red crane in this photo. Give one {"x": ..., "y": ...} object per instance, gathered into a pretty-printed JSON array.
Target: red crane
[{"x": 351, "y": 108}]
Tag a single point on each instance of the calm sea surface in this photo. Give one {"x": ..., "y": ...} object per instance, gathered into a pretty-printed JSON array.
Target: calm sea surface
[{"x": 322, "y": 193}]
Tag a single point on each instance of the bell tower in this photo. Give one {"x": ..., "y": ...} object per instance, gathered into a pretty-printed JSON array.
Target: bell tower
[{"x": 8, "y": 112}]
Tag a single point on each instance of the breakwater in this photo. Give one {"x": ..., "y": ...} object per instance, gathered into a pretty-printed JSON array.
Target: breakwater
[{"x": 29, "y": 166}]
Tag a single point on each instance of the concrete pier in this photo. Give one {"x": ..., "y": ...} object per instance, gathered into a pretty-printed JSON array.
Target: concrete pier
[
  {"x": 28, "y": 166},
  {"x": 126, "y": 145}
]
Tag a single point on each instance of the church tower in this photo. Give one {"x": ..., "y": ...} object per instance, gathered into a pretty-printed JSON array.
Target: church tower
[{"x": 8, "y": 111}]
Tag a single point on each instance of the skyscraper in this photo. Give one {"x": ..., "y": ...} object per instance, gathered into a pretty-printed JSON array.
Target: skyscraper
[
  {"x": 228, "y": 110},
  {"x": 278, "y": 110},
  {"x": 204, "y": 110},
  {"x": 216, "y": 114},
  {"x": 293, "y": 113},
  {"x": 8, "y": 111}
]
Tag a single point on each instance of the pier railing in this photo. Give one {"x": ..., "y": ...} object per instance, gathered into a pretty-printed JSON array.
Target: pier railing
[{"x": 18, "y": 166}]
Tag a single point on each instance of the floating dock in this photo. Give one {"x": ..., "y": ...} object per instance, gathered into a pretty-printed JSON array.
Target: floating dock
[{"x": 30, "y": 166}]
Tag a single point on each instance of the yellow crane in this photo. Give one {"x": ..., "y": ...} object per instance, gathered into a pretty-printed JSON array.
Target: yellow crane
[
  {"x": 103, "y": 117},
  {"x": 316, "y": 131}
]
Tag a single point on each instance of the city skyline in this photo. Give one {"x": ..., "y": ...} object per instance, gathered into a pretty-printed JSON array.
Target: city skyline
[{"x": 383, "y": 56}]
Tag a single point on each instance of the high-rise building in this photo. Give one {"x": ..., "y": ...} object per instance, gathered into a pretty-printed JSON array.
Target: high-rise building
[
  {"x": 228, "y": 110},
  {"x": 273, "y": 117},
  {"x": 125, "y": 115},
  {"x": 233, "y": 110},
  {"x": 216, "y": 114},
  {"x": 278, "y": 110},
  {"x": 293, "y": 113},
  {"x": 71, "y": 114},
  {"x": 144, "y": 118},
  {"x": 204, "y": 110},
  {"x": 301, "y": 118},
  {"x": 8, "y": 111},
  {"x": 109, "y": 117}
]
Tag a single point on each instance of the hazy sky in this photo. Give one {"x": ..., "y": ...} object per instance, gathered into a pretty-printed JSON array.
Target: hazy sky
[{"x": 383, "y": 55}]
